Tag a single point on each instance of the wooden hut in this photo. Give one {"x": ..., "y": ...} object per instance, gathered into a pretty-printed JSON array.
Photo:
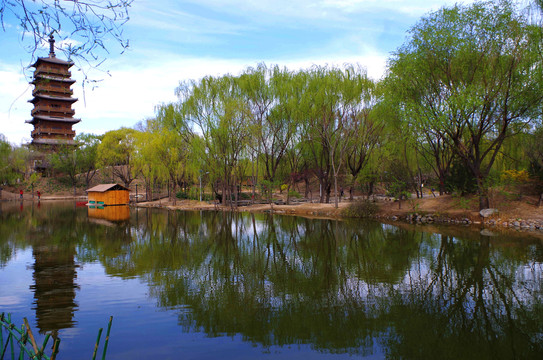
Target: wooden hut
[{"x": 108, "y": 194}]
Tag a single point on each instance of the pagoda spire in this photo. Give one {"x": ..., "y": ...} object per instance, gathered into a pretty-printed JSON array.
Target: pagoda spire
[{"x": 51, "y": 45}]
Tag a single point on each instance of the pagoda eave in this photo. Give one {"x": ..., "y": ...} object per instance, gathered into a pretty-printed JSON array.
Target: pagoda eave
[
  {"x": 48, "y": 97},
  {"x": 52, "y": 118},
  {"x": 52, "y": 60},
  {"x": 52, "y": 78},
  {"x": 52, "y": 142}
]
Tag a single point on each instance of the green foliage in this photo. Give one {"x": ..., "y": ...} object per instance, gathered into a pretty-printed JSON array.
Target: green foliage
[
  {"x": 13, "y": 162},
  {"x": 460, "y": 179},
  {"x": 116, "y": 151},
  {"x": 361, "y": 209},
  {"x": 294, "y": 194},
  {"x": 456, "y": 97},
  {"x": 470, "y": 76},
  {"x": 183, "y": 195}
]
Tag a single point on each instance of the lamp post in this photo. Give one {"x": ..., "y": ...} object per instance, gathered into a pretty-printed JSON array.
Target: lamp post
[{"x": 201, "y": 184}]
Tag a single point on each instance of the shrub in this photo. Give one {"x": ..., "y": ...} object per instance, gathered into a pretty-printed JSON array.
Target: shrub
[
  {"x": 244, "y": 196},
  {"x": 515, "y": 177},
  {"x": 361, "y": 209},
  {"x": 460, "y": 179},
  {"x": 294, "y": 194},
  {"x": 182, "y": 195}
]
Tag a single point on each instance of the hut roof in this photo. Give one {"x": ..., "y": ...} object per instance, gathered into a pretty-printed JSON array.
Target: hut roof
[{"x": 107, "y": 187}]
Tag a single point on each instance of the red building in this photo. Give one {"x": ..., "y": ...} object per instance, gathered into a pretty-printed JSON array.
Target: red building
[{"x": 52, "y": 115}]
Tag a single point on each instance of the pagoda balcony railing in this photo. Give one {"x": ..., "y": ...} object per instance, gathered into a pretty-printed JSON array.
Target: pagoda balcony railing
[
  {"x": 51, "y": 131},
  {"x": 50, "y": 109},
  {"x": 52, "y": 70},
  {"x": 49, "y": 90}
]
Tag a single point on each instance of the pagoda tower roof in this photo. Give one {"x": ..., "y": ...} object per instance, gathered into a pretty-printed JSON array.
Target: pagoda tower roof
[
  {"x": 52, "y": 78},
  {"x": 48, "y": 97},
  {"x": 52, "y": 118},
  {"x": 53, "y": 141},
  {"x": 52, "y": 60}
]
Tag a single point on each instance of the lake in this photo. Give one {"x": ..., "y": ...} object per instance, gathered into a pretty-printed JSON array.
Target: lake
[{"x": 208, "y": 285}]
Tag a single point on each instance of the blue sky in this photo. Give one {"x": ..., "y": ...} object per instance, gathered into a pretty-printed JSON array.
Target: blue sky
[{"x": 172, "y": 41}]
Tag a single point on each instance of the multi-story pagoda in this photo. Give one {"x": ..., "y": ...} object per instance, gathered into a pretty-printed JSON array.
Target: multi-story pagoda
[{"x": 52, "y": 115}]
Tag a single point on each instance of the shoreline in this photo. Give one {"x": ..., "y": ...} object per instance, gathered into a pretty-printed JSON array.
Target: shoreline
[
  {"x": 386, "y": 214},
  {"x": 445, "y": 210}
]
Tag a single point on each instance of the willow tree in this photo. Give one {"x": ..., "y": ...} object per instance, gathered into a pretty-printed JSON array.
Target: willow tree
[
  {"x": 473, "y": 76},
  {"x": 176, "y": 140},
  {"x": 335, "y": 100},
  {"x": 215, "y": 108},
  {"x": 366, "y": 126},
  {"x": 270, "y": 96},
  {"x": 87, "y": 152},
  {"x": 116, "y": 151}
]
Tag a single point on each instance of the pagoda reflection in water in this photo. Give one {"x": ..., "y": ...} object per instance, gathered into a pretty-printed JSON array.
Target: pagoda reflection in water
[{"x": 54, "y": 286}]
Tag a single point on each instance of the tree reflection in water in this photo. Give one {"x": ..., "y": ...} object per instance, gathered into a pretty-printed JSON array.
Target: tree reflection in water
[
  {"x": 343, "y": 287},
  {"x": 337, "y": 286}
]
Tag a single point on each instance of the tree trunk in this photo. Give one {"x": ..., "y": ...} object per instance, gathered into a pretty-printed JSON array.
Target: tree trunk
[
  {"x": 335, "y": 191},
  {"x": 442, "y": 185},
  {"x": 235, "y": 192},
  {"x": 253, "y": 183},
  {"x": 483, "y": 194},
  {"x": 483, "y": 201},
  {"x": 288, "y": 194}
]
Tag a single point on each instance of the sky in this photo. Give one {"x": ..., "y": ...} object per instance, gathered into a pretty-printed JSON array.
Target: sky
[{"x": 172, "y": 41}]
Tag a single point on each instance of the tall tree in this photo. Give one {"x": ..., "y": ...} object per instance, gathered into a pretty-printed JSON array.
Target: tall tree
[
  {"x": 87, "y": 155},
  {"x": 116, "y": 151},
  {"x": 335, "y": 100},
  {"x": 64, "y": 161},
  {"x": 214, "y": 106},
  {"x": 270, "y": 96},
  {"x": 473, "y": 75}
]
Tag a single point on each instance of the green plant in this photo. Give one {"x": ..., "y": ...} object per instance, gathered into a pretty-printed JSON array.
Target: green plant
[
  {"x": 294, "y": 194},
  {"x": 244, "y": 196},
  {"x": 183, "y": 195},
  {"x": 464, "y": 203},
  {"x": 361, "y": 209}
]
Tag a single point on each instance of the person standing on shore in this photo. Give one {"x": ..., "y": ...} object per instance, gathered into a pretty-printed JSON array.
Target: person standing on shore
[
  {"x": 39, "y": 195},
  {"x": 21, "y": 194}
]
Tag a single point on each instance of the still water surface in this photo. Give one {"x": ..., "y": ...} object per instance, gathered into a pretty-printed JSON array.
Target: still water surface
[{"x": 191, "y": 285}]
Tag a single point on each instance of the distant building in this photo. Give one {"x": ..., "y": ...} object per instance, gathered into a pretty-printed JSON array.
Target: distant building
[{"x": 52, "y": 115}]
